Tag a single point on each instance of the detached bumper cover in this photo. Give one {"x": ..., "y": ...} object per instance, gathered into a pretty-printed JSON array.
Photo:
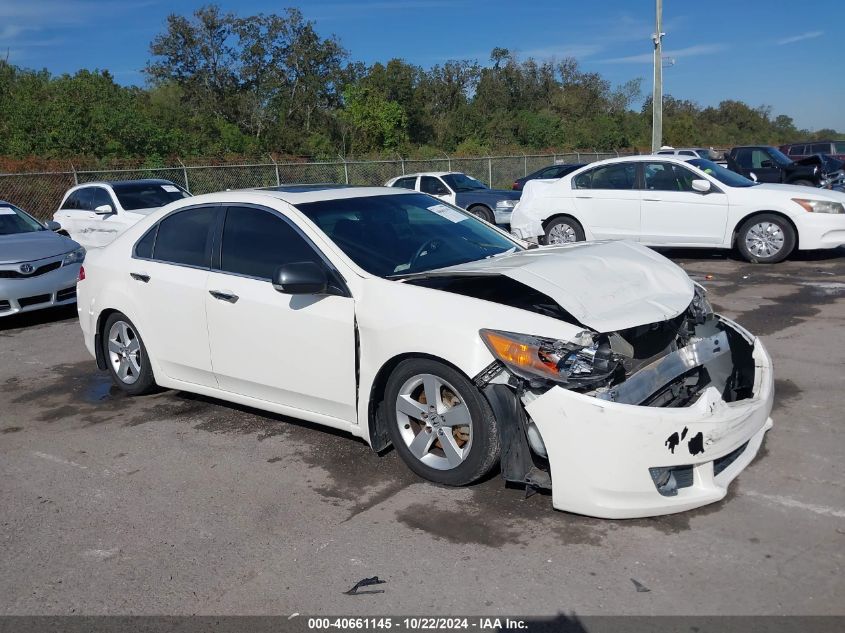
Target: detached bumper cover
[{"x": 600, "y": 452}]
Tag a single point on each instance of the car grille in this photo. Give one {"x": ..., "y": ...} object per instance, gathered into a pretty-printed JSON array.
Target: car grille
[
  {"x": 723, "y": 462},
  {"x": 15, "y": 274},
  {"x": 5, "y": 305},
  {"x": 67, "y": 293},
  {"x": 31, "y": 301}
]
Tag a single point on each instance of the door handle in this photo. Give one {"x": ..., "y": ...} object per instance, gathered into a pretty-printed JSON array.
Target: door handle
[
  {"x": 140, "y": 277},
  {"x": 224, "y": 296},
  {"x": 585, "y": 197},
  {"x": 651, "y": 200}
]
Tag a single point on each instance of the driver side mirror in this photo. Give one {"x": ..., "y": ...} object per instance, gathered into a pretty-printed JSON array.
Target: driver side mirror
[
  {"x": 104, "y": 209},
  {"x": 52, "y": 226},
  {"x": 301, "y": 278},
  {"x": 701, "y": 185}
]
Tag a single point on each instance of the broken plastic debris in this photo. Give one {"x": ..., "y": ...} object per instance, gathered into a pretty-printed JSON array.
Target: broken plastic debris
[
  {"x": 641, "y": 588},
  {"x": 366, "y": 582}
]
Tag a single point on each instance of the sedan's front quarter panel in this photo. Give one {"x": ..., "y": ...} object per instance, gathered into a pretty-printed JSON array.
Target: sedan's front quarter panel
[{"x": 398, "y": 320}]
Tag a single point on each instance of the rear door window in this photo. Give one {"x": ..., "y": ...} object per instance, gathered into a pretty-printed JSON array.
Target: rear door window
[
  {"x": 616, "y": 176},
  {"x": 80, "y": 200},
  {"x": 406, "y": 183},
  {"x": 820, "y": 148},
  {"x": 184, "y": 237},
  {"x": 433, "y": 186}
]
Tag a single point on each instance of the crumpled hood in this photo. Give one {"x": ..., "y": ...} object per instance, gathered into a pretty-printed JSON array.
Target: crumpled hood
[
  {"x": 28, "y": 247},
  {"x": 827, "y": 163},
  {"x": 607, "y": 286}
]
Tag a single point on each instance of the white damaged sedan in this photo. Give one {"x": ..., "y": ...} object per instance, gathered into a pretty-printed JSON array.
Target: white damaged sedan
[{"x": 596, "y": 369}]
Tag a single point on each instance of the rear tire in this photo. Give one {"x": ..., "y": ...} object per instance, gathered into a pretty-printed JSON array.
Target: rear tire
[
  {"x": 563, "y": 230},
  {"x": 454, "y": 441},
  {"x": 480, "y": 211},
  {"x": 765, "y": 238},
  {"x": 126, "y": 356}
]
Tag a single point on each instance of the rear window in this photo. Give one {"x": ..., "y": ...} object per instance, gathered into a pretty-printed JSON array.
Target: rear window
[
  {"x": 184, "y": 237},
  {"x": 146, "y": 195}
]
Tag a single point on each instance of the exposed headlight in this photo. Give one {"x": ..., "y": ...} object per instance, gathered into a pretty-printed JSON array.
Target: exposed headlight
[
  {"x": 820, "y": 206},
  {"x": 700, "y": 306},
  {"x": 506, "y": 204},
  {"x": 76, "y": 256},
  {"x": 582, "y": 362}
]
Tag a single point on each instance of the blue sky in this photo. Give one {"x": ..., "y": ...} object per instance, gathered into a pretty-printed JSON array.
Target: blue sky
[{"x": 760, "y": 51}]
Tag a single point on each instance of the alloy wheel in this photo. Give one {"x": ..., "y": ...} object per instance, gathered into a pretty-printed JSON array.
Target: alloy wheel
[
  {"x": 124, "y": 352},
  {"x": 434, "y": 421}
]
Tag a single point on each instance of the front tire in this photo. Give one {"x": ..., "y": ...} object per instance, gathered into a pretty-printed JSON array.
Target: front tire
[
  {"x": 563, "y": 230},
  {"x": 439, "y": 422},
  {"x": 765, "y": 239},
  {"x": 126, "y": 356},
  {"x": 480, "y": 211}
]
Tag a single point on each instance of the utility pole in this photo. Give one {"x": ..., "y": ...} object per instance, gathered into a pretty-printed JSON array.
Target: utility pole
[{"x": 657, "y": 95}]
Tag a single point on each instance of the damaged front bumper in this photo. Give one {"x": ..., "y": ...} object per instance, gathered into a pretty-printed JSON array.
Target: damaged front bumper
[{"x": 615, "y": 460}]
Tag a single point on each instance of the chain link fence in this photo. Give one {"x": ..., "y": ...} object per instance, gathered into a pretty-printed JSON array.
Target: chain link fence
[{"x": 40, "y": 193}]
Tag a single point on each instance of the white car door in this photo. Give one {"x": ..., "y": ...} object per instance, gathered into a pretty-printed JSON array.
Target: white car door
[
  {"x": 672, "y": 212},
  {"x": 608, "y": 201},
  {"x": 101, "y": 225},
  {"x": 296, "y": 351},
  {"x": 168, "y": 277},
  {"x": 436, "y": 187},
  {"x": 74, "y": 213}
]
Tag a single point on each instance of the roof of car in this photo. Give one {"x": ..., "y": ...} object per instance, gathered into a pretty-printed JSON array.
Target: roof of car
[
  {"x": 428, "y": 173},
  {"x": 304, "y": 188},
  {"x": 302, "y": 195},
  {"x": 142, "y": 181}
]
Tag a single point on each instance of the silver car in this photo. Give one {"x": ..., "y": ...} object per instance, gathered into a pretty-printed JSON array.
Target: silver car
[{"x": 38, "y": 268}]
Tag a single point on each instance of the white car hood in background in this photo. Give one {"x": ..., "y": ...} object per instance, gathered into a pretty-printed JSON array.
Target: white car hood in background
[{"x": 607, "y": 286}]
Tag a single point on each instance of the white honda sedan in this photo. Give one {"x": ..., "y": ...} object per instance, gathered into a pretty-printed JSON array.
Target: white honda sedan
[
  {"x": 665, "y": 201},
  {"x": 597, "y": 370}
]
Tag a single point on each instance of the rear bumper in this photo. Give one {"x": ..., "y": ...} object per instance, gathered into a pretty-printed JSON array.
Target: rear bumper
[
  {"x": 55, "y": 288},
  {"x": 601, "y": 452}
]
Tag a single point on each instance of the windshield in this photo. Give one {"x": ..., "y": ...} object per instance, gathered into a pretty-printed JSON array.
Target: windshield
[
  {"x": 462, "y": 182},
  {"x": 396, "y": 235},
  {"x": 147, "y": 195},
  {"x": 779, "y": 157},
  {"x": 725, "y": 176},
  {"x": 14, "y": 220}
]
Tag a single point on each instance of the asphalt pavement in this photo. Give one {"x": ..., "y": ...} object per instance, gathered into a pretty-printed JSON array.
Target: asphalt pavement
[{"x": 179, "y": 504}]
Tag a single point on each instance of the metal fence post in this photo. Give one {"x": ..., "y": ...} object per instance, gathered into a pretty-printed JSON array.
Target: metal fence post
[
  {"x": 345, "y": 169},
  {"x": 524, "y": 165},
  {"x": 276, "y": 165},
  {"x": 75, "y": 176},
  {"x": 185, "y": 175},
  {"x": 402, "y": 160},
  {"x": 490, "y": 171}
]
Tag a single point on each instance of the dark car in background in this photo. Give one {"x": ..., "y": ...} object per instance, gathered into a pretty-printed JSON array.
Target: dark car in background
[
  {"x": 765, "y": 163},
  {"x": 493, "y": 205},
  {"x": 546, "y": 173},
  {"x": 797, "y": 151}
]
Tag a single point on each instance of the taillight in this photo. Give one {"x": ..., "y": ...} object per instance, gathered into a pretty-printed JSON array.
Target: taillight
[{"x": 81, "y": 275}]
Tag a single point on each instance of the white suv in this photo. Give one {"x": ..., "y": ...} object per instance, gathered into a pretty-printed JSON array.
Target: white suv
[{"x": 95, "y": 213}]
